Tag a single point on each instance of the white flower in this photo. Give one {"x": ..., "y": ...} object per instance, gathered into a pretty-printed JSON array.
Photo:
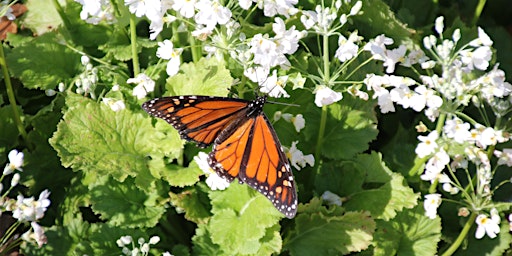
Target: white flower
[
  {"x": 331, "y": 198},
  {"x": 154, "y": 240},
  {"x": 27, "y": 209},
  {"x": 392, "y": 57},
  {"x": 257, "y": 74},
  {"x": 36, "y": 233},
  {"x": 245, "y": 4},
  {"x": 504, "y": 157},
  {"x": 211, "y": 13},
  {"x": 124, "y": 240},
  {"x": 298, "y": 121},
  {"x": 95, "y": 11},
  {"x": 166, "y": 51},
  {"x": 15, "y": 162},
  {"x": 143, "y": 7},
  {"x": 486, "y": 225},
  {"x": 115, "y": 105},
  {"x": 325, "y": 96},
  {"x": 431, "y": 203},
  {"x": 274, "y": 86},
  {"x": 287, "y": 41},
  {"x": 377, "y": 46},
  {"x": 144, "y": 85},
  {"x": 185, "y": 7},
  {"x": 347, "y": 48},
  {"x": 435, "y": 165},
  {"x": 298, "y": 158},
  {"x": 457, "y": 129},
  {"x": 319, "y": 20},
  {"x": 428, "y": 144},
  {"x": 282, "y": 7},
  {"x": 439, "y": 25},
  {"x": 214, "y": 181},
  {"x": 15, "y": 179},
  {"x": 482, "y": 40},
  {"x": 478, "y": 58}
]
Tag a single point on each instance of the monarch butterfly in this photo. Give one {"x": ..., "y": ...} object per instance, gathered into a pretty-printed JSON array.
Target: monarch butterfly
[{"x": 245, "y": 146}]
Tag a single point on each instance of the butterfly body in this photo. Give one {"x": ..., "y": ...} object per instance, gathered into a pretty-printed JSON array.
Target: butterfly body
[{"x": 245, "y": 146}]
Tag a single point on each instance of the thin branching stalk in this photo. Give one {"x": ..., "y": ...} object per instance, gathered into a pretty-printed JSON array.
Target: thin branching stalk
[
  {"x": 133, "y": 40},
  {"x": 12, "y": 99}
]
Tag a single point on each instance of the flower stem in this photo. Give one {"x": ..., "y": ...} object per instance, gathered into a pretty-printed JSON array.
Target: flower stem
[
  {"x": 461, "y": 237},
  {"x": 478, "y": 11},
  {"x": 12, "y": 99},
  {"x": 133, "y": 40}
]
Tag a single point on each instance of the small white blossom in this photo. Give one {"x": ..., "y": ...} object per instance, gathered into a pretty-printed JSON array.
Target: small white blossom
[
  {"x": 297, "y": 158},
  {"x": 36, "y": 233},
  {"x": 298, "y": 121},
  {"x": 214, "y": 181},
  {"x": 431, "y": 203},
  {"x": 331, "y": 198},
  {"x": 27, "y": 209},
  {"x": 486, "y": 225},
  {"x": 115, "y": 105},
  {"x": 15, "y": 162},
  {"x": 428, "y": 144},
  {"x": 326, "y": 96},
  {"x": 144, "y": 85},
  {"x": 457, "y": 130}
]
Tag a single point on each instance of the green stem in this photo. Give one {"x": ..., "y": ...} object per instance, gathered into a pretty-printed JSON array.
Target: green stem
[
  {"x": 195, "y": 49},
  {"x": 461, "y": 237},
  {"x": 321, "y": 131},
  {"x": 478, "y": 11},
  {"x": 12, "y": 98},
  {"x": 62, "y": 14},
  {"x": 133, "y": 39}
]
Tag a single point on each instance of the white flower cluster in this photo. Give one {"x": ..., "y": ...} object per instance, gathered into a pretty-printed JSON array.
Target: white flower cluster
[
  {"x": 457, "y": 143},
  {"x": 24, "y": 209},
  {"x": 125, "y": 242}
]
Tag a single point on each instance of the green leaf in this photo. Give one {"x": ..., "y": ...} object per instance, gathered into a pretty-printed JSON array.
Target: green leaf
[
  {"x": 8, "y": 130},
  {"x": 410, "y": 233},
  {"x": 378, "y": 17},
  {"x": 176, "y": 175},
  {"x": 93, "y": 138},
  {"x": 320, "y": 233},
  {"x": 122, "y": 204},
  {"x": 206, "y": 77},
  {"x": 392, "y": 196},
  {"x": 350, "y": 127},
  {"x": 32, "y": 64},
  {"x": 203, "y": 244},
  {"x": 194, "y": 202},
  {"x": 241, "y": 219},
  {"x": 42, "y": 17}
]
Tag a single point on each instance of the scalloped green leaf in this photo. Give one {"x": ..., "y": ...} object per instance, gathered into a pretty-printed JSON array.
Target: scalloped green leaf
[
  {"x": 123, "y": 204},
  {"x": 409, "y": 233},
  {"x": 31, "y": 63},
  {"x": 194, "y": 202},
  {"x": 241, "y": 218},
  {"x": 93, "y": 138},
  {"x": 316, "y": 233},
  {"x": 350, "y": 127},
  {"x": 385, "y": 201},
  {"x": 206, "y": 77}
]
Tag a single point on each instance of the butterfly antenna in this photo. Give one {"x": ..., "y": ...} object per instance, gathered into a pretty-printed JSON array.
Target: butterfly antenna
[{"x": 282, "y": 103}]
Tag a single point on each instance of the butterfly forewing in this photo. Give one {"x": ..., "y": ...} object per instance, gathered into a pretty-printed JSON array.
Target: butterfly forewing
[
  {"x": 197, "y": 118},
  {"x": 245, "y": 146}
]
